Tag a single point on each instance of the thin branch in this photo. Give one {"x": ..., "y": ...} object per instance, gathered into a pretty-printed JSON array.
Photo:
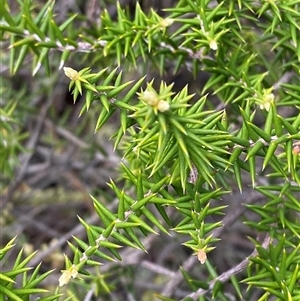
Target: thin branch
[
  {"x": 156, "y": 268},
  {"x": 226, "y": 275},
  {"x": 230, "y": 218}
]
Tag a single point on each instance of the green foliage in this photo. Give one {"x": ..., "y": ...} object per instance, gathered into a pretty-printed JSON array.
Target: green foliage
[
  {"x": 10, "y": 129},
  {"x": 11, "y": 288},
  {"x": 280, "y": 281},
  {"x": 182, "y": 154}
]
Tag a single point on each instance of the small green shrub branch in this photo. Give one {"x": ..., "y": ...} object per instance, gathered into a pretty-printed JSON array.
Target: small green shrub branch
[
  {"x": 180, "y": 153},
  {"x": 9, "y": 286}
]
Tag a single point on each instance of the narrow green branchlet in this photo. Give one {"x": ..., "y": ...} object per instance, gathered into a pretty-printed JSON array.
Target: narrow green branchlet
[{"x": 187, "y": 148}]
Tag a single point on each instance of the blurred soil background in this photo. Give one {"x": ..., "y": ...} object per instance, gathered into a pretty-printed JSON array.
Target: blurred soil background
[{"x": 64, "y": 161}]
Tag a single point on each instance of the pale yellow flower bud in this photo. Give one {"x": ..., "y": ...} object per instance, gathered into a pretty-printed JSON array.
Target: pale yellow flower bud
[
  {"x": 67, "y": 275},
  {"x": 213, "y": 45},
  {"x": 166, "y": 22},
  {"x": 64, "y": 278},
  {"x": 163, "y": 106},
  {"x": 268, "y": 98},
  {"x": 150, "y": 97},
  {"x": 73, "y": 271},
  {"x": 296, "y": 148},
  {"x": 201, "y": 256},
  {"x": 71, "y": 73}
]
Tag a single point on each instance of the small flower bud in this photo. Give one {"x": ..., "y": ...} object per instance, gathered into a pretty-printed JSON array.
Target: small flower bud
[
  {"x": 163, "y": 106},
  {"x": 166, "y": 22},
  {"x": 67, "y": 275},
  {"x": 201, "y": 256},
  {"x": 213, "y": 45},
  {"x": 64, "y": 278},
  {"x": 150, "y": 97},
  {"x": 71, "y": 73},
  {"x": 296, "y": 148},
  {"x": 268, "y": 98},
  {"x": 73, "y": 271}
]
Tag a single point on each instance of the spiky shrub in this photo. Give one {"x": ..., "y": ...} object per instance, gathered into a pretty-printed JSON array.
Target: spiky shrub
[
  {"x": 181, "y": 152},
  {"x": 10, "y": 289}
]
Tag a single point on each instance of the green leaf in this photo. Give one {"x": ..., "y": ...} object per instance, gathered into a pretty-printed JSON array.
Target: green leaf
[
  {"x": 293, "y": 279},
  {"x": 261, "y": 133},
  {"x": 270, "y": 153},
  {"x": 135, "y": 239},
  {"x": 292, "y": 130},
  {"x": 236, "y": 286},
  {"x": 66, "y": 23},
  {"x": 33, "y": 27},
  {"x": 127, "y": 242},
  {"x": 106, "y": 216},
  {"x": 255, "y": 149},
  {"x": 154, "y": 220},
  {"x": 238, "y": 175},
  {"x": 21, "y": 264},
  {"x": 252, "y": 169},
  {"x": 218, "y": 286},
  {"x": 141, "y": 203},
  {"x": 9, "y": 293},
  {"x": 54, "y": 298},
  {"x": 3, "y": 277},
  {"x": 26, "y": 291},
  {"x": 117, "y": 90},
  {"x": 136, "y": 219},
  {"x": 21, "y": 57}
]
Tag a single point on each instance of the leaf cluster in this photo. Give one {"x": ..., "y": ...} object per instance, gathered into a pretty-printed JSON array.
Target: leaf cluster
[
  {"x": 180, "y": 153},
  {"x": 12, "y": 287}
]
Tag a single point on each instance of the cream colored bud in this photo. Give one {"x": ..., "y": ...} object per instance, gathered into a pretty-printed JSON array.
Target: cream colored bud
[
  {"x": 201, "y": 256},
  {"x": 64, "y": 278},
  {"x": 267, "y": 100},
  {"x": 163, "y": 106},
  {"x": 213, "y": 45},
  {"x": 265, "y": 106},
  {"x": 150, "y": 97},
  {"x": 166, "y": 22},
  {"x": 269, "y": 97},
  {"x": 71, "y": 73},
  {"x": 296, "y": 148},
  {"x": 73, "y": 271},
  {"x": 67, "y": 275}
]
